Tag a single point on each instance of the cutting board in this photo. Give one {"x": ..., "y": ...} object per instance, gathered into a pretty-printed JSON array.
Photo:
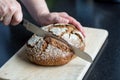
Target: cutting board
[{"x": 19, "y": 68}]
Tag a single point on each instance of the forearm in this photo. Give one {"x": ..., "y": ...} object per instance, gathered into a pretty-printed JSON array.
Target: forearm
[
  {"x": 36, "y": 7},
  {"x": 40, "y": 12}
]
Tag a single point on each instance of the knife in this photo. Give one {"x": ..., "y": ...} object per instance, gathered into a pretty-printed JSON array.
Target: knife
[{"x": 38, "y": 31}]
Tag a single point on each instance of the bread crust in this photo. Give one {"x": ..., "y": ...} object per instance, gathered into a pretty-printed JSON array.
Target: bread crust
[{"x": 48, "y": 51}]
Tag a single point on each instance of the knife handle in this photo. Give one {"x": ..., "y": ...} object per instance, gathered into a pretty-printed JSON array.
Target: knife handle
[{"x": 24, "y": 22}]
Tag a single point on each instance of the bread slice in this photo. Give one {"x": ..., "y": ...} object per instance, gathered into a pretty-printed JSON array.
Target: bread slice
[{"x": 48, "y": 51}]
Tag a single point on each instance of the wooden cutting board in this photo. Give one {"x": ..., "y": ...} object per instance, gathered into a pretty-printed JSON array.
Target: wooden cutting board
[{"x": 18, "y": 68}]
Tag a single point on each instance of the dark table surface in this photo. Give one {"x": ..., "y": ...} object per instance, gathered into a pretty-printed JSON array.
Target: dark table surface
[{"x": 89, "y": 13}]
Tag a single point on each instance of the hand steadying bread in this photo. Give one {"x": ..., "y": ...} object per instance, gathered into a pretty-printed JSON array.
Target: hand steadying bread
[{"x": 49, "y": 51}]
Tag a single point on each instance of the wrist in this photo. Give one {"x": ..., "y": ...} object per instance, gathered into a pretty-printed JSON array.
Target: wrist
[{"x": 37, "y": 8}]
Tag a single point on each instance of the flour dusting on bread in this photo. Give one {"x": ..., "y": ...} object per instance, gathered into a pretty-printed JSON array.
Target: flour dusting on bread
[{"x": 68, "y": 33}]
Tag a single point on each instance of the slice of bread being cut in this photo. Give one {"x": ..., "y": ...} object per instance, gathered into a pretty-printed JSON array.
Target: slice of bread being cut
[{"x": 49, "y": 51}]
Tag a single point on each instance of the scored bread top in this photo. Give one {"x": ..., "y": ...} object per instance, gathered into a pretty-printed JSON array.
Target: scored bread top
[{"x": 68, "y": 32}]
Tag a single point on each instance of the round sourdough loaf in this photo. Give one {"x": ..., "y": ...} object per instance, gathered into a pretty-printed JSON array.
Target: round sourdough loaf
[{"x": 49, "y": 51}]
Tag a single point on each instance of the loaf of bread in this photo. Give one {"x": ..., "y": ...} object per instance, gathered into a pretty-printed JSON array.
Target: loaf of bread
[{"x": 49, "y": 51}]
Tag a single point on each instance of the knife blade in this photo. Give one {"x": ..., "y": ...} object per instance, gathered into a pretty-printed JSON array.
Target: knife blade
[{"x": 38, "y": 31}]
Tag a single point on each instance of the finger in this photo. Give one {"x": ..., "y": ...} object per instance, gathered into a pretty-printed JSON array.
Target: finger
[
  {"x": 79, "y": 26},
  {"x": 17, "y": 18},
  {"x": 7, "y": 19},
  {"x": 71, "y": 20},
  {"x": 3, "y": 12},
  {"x": 58, "y": 19}
]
